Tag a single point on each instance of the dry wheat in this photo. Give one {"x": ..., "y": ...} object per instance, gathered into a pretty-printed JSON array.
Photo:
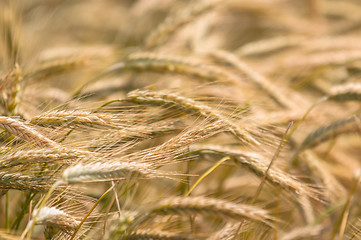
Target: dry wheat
[{"x": 217, "y": 207}]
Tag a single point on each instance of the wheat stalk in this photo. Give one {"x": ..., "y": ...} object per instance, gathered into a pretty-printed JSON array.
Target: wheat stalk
[
  {"x": 10, "y": 29},
  {"x": 7, "y": 236}
]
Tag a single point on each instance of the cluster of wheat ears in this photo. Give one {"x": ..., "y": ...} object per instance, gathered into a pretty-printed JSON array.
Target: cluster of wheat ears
[{"x": 169, "y": 119}]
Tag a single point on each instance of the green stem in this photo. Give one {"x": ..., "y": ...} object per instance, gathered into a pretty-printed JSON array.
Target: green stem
[{"x": 90, "y": 211}]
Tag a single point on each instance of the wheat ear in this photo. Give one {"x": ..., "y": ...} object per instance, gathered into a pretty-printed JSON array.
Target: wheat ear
[
  {"x": 23, "y": 182},
  {"x": 51, "y": 216},
  {"x": 346, "y": 92},
  {"x": 270, "y": 45},
  {"x": 329, "y": 131},
  {"x": 323, "y": 59},
  {"x": 189, "y": 105},
  {"x": 138, "y": 133},
  {"x": 56, "y": 118},
  {"x": 275, "y": 92},
  {"x": 228, "y": 232},
  {"x": 304, "y": 232},
  {"x": 258, "y": 165},
  {"x": 217, "y": 207},
  {"x": 26, "y": 133},
  {"x": 24, "y": 157},
  {"x": 175, "y": 21},
  {"x": 95, "y": 172},
  {"x": 57, "y": 67},
  {"x": 10, "y": 90},
  {"x": 334, "y": 189},
  {"x": 150, "y": 234},
  {"x": 162, "y": 63}
]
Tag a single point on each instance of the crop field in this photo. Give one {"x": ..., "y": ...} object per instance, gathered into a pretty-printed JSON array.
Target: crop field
[{"x": 180, "y": 119}]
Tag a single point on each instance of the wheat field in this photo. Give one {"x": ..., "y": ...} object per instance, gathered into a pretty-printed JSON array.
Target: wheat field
[{"x": 180, "y": 119}]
